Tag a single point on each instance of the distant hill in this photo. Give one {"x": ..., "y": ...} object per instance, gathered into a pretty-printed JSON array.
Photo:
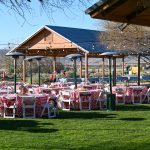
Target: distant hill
[
  {"x": 2, "y": 57},
  {"x": 3, "y": 52}
]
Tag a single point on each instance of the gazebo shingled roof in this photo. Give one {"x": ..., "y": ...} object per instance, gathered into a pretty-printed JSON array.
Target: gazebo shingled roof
[{"x": 85, "y": 38}]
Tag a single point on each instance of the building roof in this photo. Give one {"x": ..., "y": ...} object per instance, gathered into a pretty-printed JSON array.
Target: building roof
[
  {"x": 125, "y": 11},
  {"x": 85, "y": 38}
]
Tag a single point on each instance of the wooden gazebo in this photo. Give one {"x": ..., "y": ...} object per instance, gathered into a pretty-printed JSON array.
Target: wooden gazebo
[{"x": 54, "y": 41}]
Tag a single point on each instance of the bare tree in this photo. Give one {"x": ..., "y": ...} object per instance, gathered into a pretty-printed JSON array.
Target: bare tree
[
  {"x": 23, "y": 6},
  {"x": 131, "y": 38}
]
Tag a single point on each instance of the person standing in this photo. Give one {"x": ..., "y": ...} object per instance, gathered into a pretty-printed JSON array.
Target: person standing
[
  {"x": 3, "y": 75},
  {"x": 53, "y": 77}
]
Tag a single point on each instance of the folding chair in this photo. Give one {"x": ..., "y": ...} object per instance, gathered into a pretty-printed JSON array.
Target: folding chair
[
  {"x": 147, "y": 95},
  {"x": 65, "y": 97},
  {"x": 85, "y": 98},
  {"x": 28, "y": 106},
  {"x": 51, "y": 107},
  {"x": 138, "y": 95},
  {"x": 120, "y": 94},
  {"x": 9, "y": 107},
  {"x": 101, "y": 99}
]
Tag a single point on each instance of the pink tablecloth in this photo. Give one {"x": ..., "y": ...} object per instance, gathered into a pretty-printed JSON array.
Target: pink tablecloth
[
  {"x": 130, "y": 91},
  {"x": 92, "y": 86},
  {"x": 5, "y": 91},
  {"x": 40, "y": 99},
  {"x": 75, "y": 97},
  {"x": 52, "y": 91}
]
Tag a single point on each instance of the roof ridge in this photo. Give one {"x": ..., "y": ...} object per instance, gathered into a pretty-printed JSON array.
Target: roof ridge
[{"x": 73, "y": 28}]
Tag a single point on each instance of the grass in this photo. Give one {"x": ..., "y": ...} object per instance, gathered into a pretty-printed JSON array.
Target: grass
[{"x": 127, "y": 128}]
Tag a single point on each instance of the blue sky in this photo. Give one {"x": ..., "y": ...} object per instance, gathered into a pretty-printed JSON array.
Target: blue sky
[{"x": 14, "y": 29}]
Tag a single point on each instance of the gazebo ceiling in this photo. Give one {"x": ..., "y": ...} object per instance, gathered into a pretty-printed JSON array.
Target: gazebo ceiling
[
  {"x": 60, "y": 52},
  {"x": 125, "y": 11}
]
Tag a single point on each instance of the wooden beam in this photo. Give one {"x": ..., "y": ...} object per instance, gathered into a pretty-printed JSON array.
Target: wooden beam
[
  {"x": 139, "y": 71},
  {"x": 112, "y": 6},
  {"x": 114, "y": 71},
  {"x": 24, "y": 69},
  {"x": 136, "y": 12},
  {"x": 103, "y": 67},
  {"x": 106, "y": 7},
  {"x": 80, "y": 67},
  {"x": 54, "y": 64},
  {"x": 86, "y": 66},
  {"x": 123, "y": 66}
]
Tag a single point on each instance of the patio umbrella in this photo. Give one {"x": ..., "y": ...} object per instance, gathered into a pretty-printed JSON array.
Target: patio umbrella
[
  {"x": 74, "y": 57},
  {"x": 15, "y": 56}
]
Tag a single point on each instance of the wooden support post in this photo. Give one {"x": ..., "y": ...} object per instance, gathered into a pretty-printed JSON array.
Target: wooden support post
[
  {"x": 15, "y": 74},
  {"x": 109, "y": 64},
  {"x": 30, "y": 67},
  {"x": 81, "y": 67},
  {"x": 114, "y": 71},
  {"x": 86, "y": 66},
  {"x": 123, "y": 66},
  {"x": 24, "y": 69},
  {"x": 103, "y": 65},
  {"x": 39, "y": 71},
  {"x": 54, "y": 64},
  {"x": 139, "y": 71},
  {"x": 75, "y": 73}
]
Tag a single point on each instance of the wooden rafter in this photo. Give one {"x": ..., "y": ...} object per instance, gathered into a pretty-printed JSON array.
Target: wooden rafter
[
  {"x": 136, "y": 12},
  {"x": 112, "y": 6}
]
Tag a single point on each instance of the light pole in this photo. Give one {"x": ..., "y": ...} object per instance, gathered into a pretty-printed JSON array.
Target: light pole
[
  {"x": 15, "y": 56},
  {"x": 74, "y": 57}
]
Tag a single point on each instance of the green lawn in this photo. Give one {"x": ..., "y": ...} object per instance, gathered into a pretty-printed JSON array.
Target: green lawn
[{"x": 128, "y": 128}]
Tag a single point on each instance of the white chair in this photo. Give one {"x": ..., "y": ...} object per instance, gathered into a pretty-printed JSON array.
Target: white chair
[
  {"x": 85, "y": 97},
  {"x": 31, "y": 91},
  {"x": 72, "y": 87},
  {"x": 138, "y": 95},
  {"x": 28, "y": 104},
  {"x": 9, "y": 107},
  {"x": 120, "y": 94},
  {"x": 51, "y": 107},
  {"x": 9, "y": 89},
  {"x": 65, "y": 97},
  {"x": 101, "y": 99},
  {"x": 147, "y": 95},
  {"x": 1, "y": 110},
  {"x": 18, "y": 91}
]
